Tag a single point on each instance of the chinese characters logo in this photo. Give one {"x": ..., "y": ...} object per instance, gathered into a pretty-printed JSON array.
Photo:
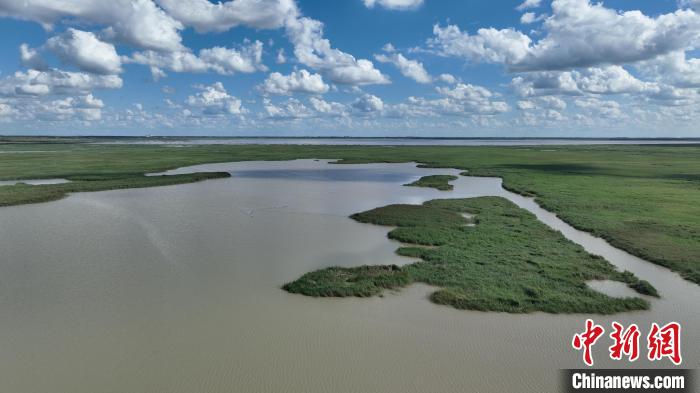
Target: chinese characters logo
[{"x": 661, "y": 342}]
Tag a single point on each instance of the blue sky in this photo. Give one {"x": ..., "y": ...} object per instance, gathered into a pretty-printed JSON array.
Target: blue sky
[{"x": 426, "y": 68}]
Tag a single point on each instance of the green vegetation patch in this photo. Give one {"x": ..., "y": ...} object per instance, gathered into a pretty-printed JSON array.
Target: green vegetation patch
[
  {"x": 25, "y": 193},
  {"x": 360, "y": 281},
  {"x": 509, "y": 261},
  {"x": 439, "y": 182}
]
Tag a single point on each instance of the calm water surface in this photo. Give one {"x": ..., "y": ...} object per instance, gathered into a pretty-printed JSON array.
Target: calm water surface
[
  {"x": 34, "y": 182},
  {"x": 176, "y": 289}
]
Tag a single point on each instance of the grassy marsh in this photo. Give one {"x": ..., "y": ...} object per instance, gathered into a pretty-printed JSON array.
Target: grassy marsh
[
  {"x": 642, "y": 199},
  {"x": 438, "y": 182},
  {"x": 509, "y": 261},
  {"x": 24, "y": 193}
]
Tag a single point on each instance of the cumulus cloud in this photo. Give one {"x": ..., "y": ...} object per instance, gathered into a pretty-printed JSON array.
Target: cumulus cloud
[
  {"x": 215, "y": 100},
  {"x": 594, "y": 80},
  {"x": 86, "y": 108},
  {"x": 313, "y": 50},
  {"x": 467, "y": 98},
  {"x": 488, "y": 44},
  {"x": 31, "y": 58},
  {"x": 693, "y": 4},
  {"x": 527, "y": 4},
  {"x": 412, "y": 69},
  {"x": 447, "y": 78},
  {"x": 546, "y": 102},
  {"x": 464, "y": 100},
  {"x": 298, "y": 81},
  {"x": 526, "y": 105},
  {"x": 674, "y": 68},
  {"x": 577, "y": 34},
  {"x": 85, "y": 51},
  {"x": 611, "y": 80},
  {"x": 288, "y": 110},
  {"x": 35, "y": 82},
  {"x": 6, "y": 111},
  {"x": 531, "y": 17},
  {"x": 281, "y": 57},
  {"x": 394, "y": 4},
  {"x": 327, "y": 107},
  {"x": 137, "y": 22},
  {"x": 224, "y": 61},
  {"x": 600, "y": 108},
  {"x": 368, "y": 103},
  {"x": 206, "y": 16}
]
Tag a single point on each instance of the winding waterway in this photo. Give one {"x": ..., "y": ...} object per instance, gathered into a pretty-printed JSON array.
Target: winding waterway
[{"x": 176, "y": 289}]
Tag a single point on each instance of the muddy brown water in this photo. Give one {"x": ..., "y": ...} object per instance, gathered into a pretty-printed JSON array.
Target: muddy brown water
[{"x": 177, "y": 289}]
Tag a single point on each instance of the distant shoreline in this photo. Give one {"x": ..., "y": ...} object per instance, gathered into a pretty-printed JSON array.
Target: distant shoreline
[{"x": 524, "y": 138}]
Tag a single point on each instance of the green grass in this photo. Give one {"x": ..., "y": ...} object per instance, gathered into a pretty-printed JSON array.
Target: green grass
[
  {"x": 642, "y": 199},
  {"x": 509, "y": 261},
  {"x": 438, "y": 182},
  {"x": 24, "y": 193},
  {"x": 360, "y": 281}
]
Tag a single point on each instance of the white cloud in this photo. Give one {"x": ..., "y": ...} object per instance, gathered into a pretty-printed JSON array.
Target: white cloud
[
  {"x": 409, "y": 68},
  {"x": 313, "y": 50},
  {"x": 600, "y": 108},
  {"x": 6, "y": 110},
  {"x": 326, "y": 107},
  {"x": 581, "y": 34},
  {"x": 394, "y": 4},
  {"x": 674, "y": 68},
  {"x": 464, "y": 100},
  {"x": 85, "y": 51},
  {"x": 137, "y": 22},
  {"x": 545, "y": 83},
  {"x": 611, "y": 80},
  {"x": 447, "y": 78},
  {"x": 34, "y": 82},
  {"x": 693, "y": 4},
  {"x": 289, "y": 110},
  {"x": 298, "y": 81},
  {"x": 577, "y": 34},
  {"x": 467, "y": 98},
  {"x": 552, "y": 102},
  {"x": 215, "y": 100},
  {"x": 281, "y": 57},
  {"x": 206, "y": 16},
  {"x": 224, "y": 61},
  {"x": 594, "y": 80},
  {"x": 526, "y": 105},
  {"x": 531, "y": 17},
  {"x": 31, "y": 58},
  {"x": 368, "y": 103},
  {"x": 527, "y": 4},
  {"x": 488, "y": 44},
  {"x": 85, "y": 108}
]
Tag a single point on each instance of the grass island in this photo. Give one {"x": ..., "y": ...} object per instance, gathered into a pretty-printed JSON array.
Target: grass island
[
  {"x": 438, "y": 182},
  {"x": 507, "y": 261}
]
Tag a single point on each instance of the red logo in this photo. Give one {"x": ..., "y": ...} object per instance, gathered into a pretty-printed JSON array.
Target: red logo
[
  {"x": 586, "y": 340},
  {"x": 665, "y": 342},
  {"x": 662, "y": 342},
  {"x": 626, "y": 342}
]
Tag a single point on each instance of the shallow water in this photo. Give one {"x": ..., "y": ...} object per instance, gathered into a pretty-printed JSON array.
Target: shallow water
[
  {"x": 33, "y": 182},
  {"x": 176, "y": 289}
]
